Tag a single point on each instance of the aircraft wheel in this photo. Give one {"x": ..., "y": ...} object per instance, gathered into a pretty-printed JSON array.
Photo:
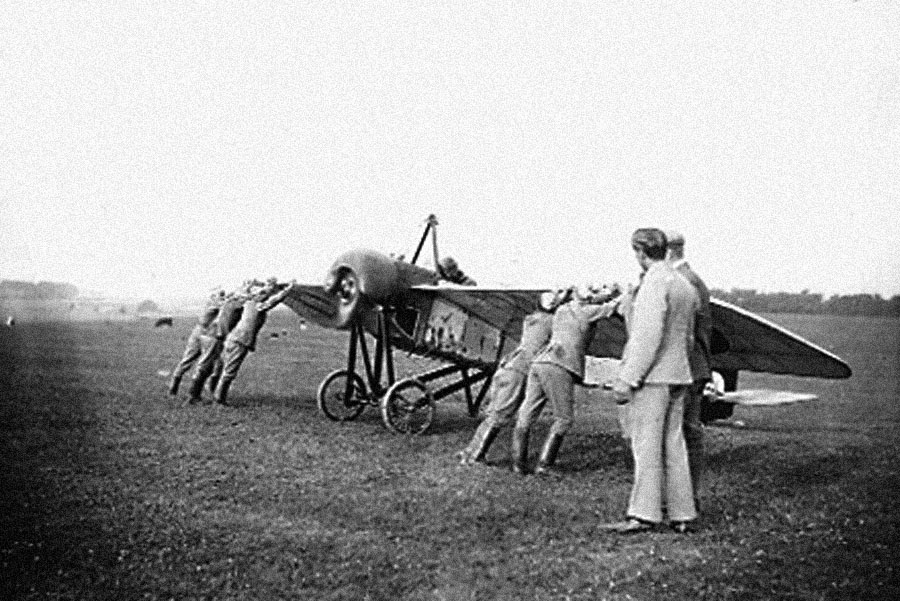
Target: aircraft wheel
[
  {"x": 333, "y": 399},
  {"x": 407, "y": 407}
]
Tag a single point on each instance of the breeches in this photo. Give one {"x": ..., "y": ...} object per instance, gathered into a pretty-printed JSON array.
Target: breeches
[
  {"x": 191, "y": 354},
  {"x": 548, "y": 382},
  {"x": 210, "y": 362},
  {"x": 234, "y": 355},
  {"x": 660, "y": 455},
  {"x": 507, "y": 394}
]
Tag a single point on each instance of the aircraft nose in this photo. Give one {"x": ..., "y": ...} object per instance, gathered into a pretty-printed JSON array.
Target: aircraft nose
[{"x": 343, "y": 285}]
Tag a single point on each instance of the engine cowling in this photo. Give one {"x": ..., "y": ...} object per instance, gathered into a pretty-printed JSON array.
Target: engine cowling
[{"x": 362, "y": 278}]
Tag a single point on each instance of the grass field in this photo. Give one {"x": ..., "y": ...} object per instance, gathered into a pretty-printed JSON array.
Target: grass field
[{"x": 109, "y": 489}]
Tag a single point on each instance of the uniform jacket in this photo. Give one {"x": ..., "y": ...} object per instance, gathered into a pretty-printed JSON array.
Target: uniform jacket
[
  {"x": 661, "y": 329},
  {"x": 210, "y": 312},
  {"x": 572, "y": 329},
  {"x": 229, "y": 315},
  {"x": 536, "y": 330},
  {"x": 252, "y": 319},
  {"x": 700, "y": 353}
]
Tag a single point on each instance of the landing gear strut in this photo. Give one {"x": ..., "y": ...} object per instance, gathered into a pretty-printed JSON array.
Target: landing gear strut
[{"x": 407, "y": 406}]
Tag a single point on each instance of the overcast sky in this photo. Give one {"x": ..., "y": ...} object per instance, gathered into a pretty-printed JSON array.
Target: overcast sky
[{"x": 163, "y": 148}]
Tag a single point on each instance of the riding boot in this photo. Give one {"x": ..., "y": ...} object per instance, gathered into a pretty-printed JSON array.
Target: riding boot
[
  {"x": 465, "y": 456},
  {"x": 520, "y": 451},
  {"x": 481, "y": 442},
  {"x": 173, "y": 386},
  {"x": 213, "y": 382},
  {"x": 221, "y": 396},
  {"x": 548, "y": 454},
  {"x": 195, "y": 392}
]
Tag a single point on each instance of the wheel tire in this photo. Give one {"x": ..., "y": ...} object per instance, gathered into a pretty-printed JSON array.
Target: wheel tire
[
  {"x": 330, "y": 396},
  {"x": 407, "y": 407}
]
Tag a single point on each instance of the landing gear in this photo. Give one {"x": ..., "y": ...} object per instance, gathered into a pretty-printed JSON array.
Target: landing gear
[
  {"x": 407, "y": 407},
  {"x": 342, "y": 396}
]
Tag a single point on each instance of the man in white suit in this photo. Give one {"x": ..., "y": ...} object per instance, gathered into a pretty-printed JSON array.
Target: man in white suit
[
  {"x": 654, "y": 377},
  {"x": 700, "y": 358}
]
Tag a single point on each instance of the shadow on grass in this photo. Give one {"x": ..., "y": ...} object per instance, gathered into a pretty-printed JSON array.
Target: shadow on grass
[
  {"x": 816, "y": 472},
  {"x": 48, "y": 434},
  {"x": 301, "y": 402},
  {"x": 591, "y": 451}
]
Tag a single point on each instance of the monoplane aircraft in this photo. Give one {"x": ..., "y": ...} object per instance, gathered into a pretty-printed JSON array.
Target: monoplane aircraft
[{"x": 469, "y": 328}]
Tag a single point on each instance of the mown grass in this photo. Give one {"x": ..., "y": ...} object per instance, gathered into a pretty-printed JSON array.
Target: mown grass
[{"x": 111, "y": 490}]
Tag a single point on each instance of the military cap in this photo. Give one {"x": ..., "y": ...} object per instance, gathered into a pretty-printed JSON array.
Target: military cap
[{"x": 674, "y": 238}]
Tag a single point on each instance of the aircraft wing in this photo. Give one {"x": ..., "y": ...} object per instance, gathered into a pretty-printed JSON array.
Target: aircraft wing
[
  {"x": 744, "y": 341},
  {"x": 501, "y": 308},
  {"x": 312, "y": 302},
  {"x": 741, "y": 340}
]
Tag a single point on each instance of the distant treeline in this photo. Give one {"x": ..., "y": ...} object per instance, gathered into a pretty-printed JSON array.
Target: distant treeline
[
  {"x": 761, "y": 302},
  {"x": 17, "y": 289},
  {"x": 807, "y": 302}
]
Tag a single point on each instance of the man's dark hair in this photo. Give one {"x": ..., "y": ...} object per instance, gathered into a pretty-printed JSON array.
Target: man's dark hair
[{"x": 650, "y": 240}]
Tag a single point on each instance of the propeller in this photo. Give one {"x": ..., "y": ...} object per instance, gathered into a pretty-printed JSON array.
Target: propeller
[{"x": 344, "y": 286}]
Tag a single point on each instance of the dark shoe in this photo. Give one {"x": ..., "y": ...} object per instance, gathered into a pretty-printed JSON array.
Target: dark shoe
[
  {"x": 548, "y": 455},
  {"x": 681, "y": 527},
  {"x": 548, "y": 471},
  {"x": 520, "y": 451},
  {"x": 173, "y": 386},
  {"x": 629, "y": 526},
  {"x": 192, "y": 401}
]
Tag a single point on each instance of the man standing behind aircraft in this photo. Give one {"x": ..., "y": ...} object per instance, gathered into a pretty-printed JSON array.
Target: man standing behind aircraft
[
  {"x": 192, "y": 351},
  {"x": 699, "y": 358},
  {"x": 450, "y": 271},
  {"x": 554, "y": 373},
  {"x": 242, "y": 339},
  {"x": 654, "y": 376},
  {"x": 508, "y": 386}
]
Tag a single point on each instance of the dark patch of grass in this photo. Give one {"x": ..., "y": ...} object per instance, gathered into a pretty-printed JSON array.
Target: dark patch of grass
[{"x": 111, "y": 490}]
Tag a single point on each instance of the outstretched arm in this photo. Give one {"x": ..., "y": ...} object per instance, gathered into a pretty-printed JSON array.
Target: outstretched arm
[{"x": 276, "y": 298}]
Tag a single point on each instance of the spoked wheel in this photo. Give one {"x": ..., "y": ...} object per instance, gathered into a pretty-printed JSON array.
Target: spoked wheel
[
  {"x": 333, "y": 399},
  {"x": 407, "y": 407}
]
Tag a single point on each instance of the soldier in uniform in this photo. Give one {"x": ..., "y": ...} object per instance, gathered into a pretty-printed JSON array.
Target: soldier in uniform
[
  {"x": 212, "y": 339},
  {"x": 653, "y": 378},
  {"x": 242, "y": 339},
  {"x": 699, "y": 359},
  {"x": 508, "y": 386},
  {"x": 192, "y": 351},
  {"x": 554, "y": 373}
]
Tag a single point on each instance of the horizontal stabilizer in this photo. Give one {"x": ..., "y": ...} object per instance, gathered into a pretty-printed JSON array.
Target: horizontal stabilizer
[{"x": 766, "y": 397}]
